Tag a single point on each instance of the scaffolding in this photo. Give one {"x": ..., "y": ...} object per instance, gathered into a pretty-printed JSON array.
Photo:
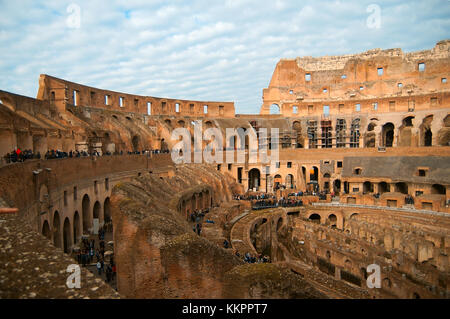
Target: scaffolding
[
  {"x": 327, "y": 138},
  {"x": 312, "y": 133},
  {"x": 341, "y": 128},
  {"x": 354, "y": 133}
]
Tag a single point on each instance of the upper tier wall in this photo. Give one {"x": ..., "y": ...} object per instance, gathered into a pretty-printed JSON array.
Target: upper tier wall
[
  {"x": 60, "y": 92},
  {"x": 373, "y": 76}
]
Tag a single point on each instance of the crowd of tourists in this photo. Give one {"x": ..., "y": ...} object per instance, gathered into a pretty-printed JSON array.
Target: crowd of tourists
[
  {"x": 87, "y": 254},
  {"x": 196, "y": 217},
  {"x": 249, "y": 258},
  {"x": 18, "y": 155}
]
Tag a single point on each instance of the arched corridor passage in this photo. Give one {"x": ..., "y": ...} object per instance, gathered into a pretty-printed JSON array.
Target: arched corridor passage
[
  {"x": 67, "y": 238},
  {"x": 254, "y": 179}
]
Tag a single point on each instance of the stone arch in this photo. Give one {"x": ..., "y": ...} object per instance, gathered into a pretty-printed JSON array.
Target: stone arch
[
  {"x": 277, "y": 180},
  {"x": 107, "y": 210},
  {"x": 254, "y": 178},
  {"x": 314, "y": 218},
  {"x": 426, "y": 135},
  {"x": 401, "y": 187},
  {"x": 67, "y": 238},
  {"x": 181, "y": 123},
  {"x": 383, "y": 187},
  {"x": 85, "y": 204},
  {"x": 56, "y": 229},
  {"x": 314, "y": 174},
  {"x": 367, "y": 187},
  {"x": 387, "y": 133},
  {"x": 76, "y": 227},
  {"x": 438, "y": 189},
  {"x": 332, "y": 220},
  {"x": 275, "y": 109},
  {"x": 96, "y": 210},
  {"x": 46, "y": 230}
]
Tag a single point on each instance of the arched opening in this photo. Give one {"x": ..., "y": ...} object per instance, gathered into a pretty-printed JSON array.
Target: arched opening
[
  {"x": 181, "y": 123},
  {"x": 315, "y": 218},
  {"x": 274, "y": 109},
  {"x": 332, "y": 220},
  {"x": 96, "y": 210},
  {"x": 415, "y": 295},
  {"x": 401, "y": 188},
  {"x": 383, "y": 187},
  {"x": 425, "y": 130},
  {"x": 56, "y": 230},
  {"x": 107, "y": 210},
  {"x": 135, "y": 143},
  {"x": 289, "y": 181},
  {"x": 76, "y": 227},
  {"x": 353, "y": 216},
  {"x": 277, "y": 181},
  {"x": 367, "y": 187},
  {"x": 438, "y": 189},
  {"x": 337, "y": 186},
  {"x": 254, "y": 177},
  {"x": 388, "y": 134},
  {"x": 314, "y": 174},
  {"x": 46, "y": 230},
  {"x": 67, "y": 236},
  {"x": 86, "y": 213}
]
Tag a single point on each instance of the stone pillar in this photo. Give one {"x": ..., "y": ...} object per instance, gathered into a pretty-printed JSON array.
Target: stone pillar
[
  {"x": 378, "y": 136},
  {"x": 337, "y": 273}
]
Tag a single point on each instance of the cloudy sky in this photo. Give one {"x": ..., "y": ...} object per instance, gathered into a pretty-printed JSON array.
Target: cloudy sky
[{"x": 201, "y": 50}]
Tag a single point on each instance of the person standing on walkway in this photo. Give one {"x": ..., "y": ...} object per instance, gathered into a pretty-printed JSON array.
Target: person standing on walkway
[{"x": 99, "y": 268}]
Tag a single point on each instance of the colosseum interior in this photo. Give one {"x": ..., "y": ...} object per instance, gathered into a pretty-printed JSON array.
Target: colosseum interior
[{"x": 362, "y": 178}]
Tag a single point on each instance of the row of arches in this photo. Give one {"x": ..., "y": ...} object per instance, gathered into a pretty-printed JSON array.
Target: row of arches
[
  {"x": 254, "y": 180},
  {"x": 197, "y": 201},
  {"x": 65, "y": 235}
]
